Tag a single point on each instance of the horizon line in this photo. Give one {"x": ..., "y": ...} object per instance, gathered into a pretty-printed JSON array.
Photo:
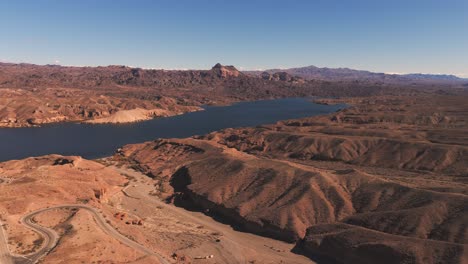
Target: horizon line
[{"x": 240, "y": 68}]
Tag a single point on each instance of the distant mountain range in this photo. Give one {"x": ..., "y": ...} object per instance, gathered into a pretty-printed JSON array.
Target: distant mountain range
[
  {"x": 346, "y": 74},
  {"x": 219, "y": 82},
  {"x": 222, "y": 81},
  {"x": 447, "y": 77}
]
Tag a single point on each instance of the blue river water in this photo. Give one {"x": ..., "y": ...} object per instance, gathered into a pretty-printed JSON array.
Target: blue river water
[{"x": 94, "y": 141}]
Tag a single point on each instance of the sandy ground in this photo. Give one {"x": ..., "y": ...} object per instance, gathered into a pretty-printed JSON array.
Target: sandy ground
[
  {"x": 192, "y": 234},
  {"x": 138, "y": 114},
  {"x": 38, "y": 183},
  {"x": 79, "y": 235}
]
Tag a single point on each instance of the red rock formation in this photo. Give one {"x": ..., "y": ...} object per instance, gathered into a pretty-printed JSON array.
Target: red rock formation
[{"x": 225, "y": 71}]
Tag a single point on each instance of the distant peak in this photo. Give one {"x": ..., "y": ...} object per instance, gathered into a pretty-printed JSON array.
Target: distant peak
[
  {"x": 220, "y": 66},
  {"x": 217, "y": 65},
  {"x": 225, "y": 71}
]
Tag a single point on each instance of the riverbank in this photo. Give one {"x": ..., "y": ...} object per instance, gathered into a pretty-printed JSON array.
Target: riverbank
[{"x": 100, "y": 140}]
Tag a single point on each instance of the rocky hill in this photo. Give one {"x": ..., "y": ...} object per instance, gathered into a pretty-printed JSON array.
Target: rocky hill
[{"x": 382, "y": 181}]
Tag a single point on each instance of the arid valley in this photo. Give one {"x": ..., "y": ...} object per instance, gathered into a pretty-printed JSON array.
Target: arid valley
[
  {"x": 381, "y": 180},
  {"x": 233, "y": 132}
]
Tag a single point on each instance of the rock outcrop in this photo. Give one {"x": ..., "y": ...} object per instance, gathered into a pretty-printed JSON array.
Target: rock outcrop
[{"x": 225, "y": 71}]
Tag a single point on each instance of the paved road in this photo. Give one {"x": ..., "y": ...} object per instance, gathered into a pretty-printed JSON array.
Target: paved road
[
  {"x": 51, "y": 237},
  {"x": 5, "y": 257}
]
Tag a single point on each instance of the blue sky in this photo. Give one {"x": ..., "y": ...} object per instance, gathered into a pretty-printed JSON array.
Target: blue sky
[{"x": 385, "y": 36}]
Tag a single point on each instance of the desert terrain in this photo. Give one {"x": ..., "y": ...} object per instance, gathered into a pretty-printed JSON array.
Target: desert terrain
[
  {"x": 383, "y": 180},
  {"x": 53, "y": 204},
  {"x": 234, "y": 132},
  {"x": 111, "y": 214}
]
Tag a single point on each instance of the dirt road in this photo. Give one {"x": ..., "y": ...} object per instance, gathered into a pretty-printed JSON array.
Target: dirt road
[
  {"x": 235, "y": 246},
  {"x": 51, "y": 237},
  {"x": 5, "y": 257}
]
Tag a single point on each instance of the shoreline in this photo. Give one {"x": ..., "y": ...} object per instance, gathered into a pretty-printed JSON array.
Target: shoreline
[
  {"x": 130, "y": 133},
  {"x": 98, "y": 121}
]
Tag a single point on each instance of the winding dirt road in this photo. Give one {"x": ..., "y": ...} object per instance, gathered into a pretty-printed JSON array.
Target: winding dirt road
[
  {"x": 51, "y": 237},
  {"x": 5, "y": 257}
]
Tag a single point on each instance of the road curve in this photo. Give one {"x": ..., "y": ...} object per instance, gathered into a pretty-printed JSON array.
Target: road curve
[
  {"x": 51, "y": 237},
  {"x": 5, "y": 257}
]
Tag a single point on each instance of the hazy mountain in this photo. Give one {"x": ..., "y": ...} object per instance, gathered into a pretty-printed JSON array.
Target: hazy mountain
[
  {"x": 346, "y": 74},
  {"x": 448, "y": 77}
]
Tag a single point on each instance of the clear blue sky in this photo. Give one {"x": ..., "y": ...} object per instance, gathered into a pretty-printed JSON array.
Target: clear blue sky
[{"x": 386, "y": 36}]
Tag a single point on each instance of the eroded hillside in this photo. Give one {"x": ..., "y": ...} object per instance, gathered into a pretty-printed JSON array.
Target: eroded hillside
[
  {"x": 23, "y": 108},
  {"x": 384, "y": 180}
]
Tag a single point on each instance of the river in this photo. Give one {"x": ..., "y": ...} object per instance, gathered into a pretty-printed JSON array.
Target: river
[{"x": 94, "y": 141}]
